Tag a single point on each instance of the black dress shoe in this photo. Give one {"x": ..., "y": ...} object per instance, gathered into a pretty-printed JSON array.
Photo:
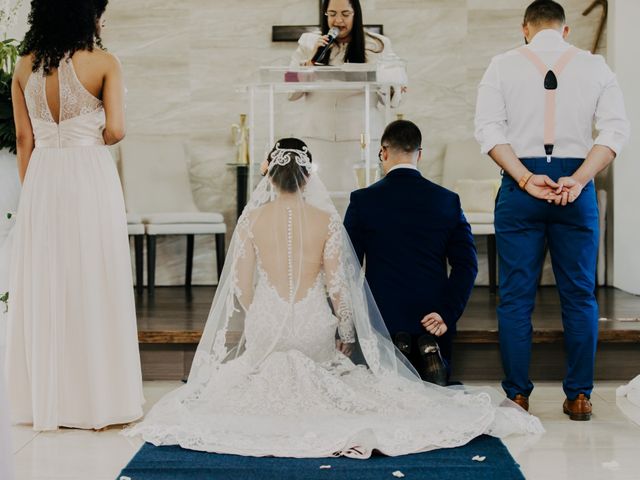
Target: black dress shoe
[
  {"x": 435, "y": 370},
  {"x": 402, "y": 340}
]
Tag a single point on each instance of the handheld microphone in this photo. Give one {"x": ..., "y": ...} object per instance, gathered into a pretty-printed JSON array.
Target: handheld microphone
[{"x": 318, "y": 58}]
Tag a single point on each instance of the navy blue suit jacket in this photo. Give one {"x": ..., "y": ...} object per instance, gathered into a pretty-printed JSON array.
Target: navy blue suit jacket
[{"x": 408, "y": 228}]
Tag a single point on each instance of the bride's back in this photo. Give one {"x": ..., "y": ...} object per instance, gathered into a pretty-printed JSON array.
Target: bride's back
[{"x": 289, "y": 236}]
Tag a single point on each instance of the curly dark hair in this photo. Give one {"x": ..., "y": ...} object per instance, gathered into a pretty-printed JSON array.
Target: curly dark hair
[
  {"x": 291, "y": 177},
  {"x": 59, "y": 28}
]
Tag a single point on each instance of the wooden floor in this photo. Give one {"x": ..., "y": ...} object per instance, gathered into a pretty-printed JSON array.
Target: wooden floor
[
  {"x": 174, "y": 316},
  {"x": 170, "y": 325}
]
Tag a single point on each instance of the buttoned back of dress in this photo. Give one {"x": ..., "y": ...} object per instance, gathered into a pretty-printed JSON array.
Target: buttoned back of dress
[{"x": 82, "y": 117}]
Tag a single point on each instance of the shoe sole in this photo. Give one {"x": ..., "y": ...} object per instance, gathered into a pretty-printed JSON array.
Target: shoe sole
[{"x": 578, "y": 417}]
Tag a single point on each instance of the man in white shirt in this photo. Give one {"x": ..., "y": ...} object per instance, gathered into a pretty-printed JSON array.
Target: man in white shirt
[{"x": 535, "y": 115}]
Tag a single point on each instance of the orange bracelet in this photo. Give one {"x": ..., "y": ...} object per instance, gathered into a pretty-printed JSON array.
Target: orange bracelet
[{"x": 523, "y": 181}]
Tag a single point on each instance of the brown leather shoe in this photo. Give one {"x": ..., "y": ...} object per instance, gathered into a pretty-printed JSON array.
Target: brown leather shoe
[
  {"x": 522, "y": 401},
  {"x": 578, "y": 409}
]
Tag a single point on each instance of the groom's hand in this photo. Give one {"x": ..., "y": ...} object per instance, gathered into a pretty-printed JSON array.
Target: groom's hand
[
  {"x": 434, "y": 324},
  {"x": 345, "y": 348}
]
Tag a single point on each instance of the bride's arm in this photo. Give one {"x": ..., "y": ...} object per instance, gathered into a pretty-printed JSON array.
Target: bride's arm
[
  {"x": 337, "y": 282},
  {"x": 245, "y": 267}
]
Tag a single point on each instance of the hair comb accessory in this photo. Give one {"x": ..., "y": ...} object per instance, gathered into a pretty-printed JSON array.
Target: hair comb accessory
[{"x": 282, "y": 156}]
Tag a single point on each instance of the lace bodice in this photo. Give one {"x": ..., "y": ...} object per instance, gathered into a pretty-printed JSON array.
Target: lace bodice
[
  {"x": 81, "y": 118},
  {"x": 302, "y": 260},
  {"x": 75, "y": 100}
]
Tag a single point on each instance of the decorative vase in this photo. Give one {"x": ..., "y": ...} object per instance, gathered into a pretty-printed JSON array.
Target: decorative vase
[{"x": 240, "y": 134}]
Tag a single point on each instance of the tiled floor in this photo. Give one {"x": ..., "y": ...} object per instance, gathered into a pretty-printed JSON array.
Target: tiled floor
[{"x": 608, "y": 447}]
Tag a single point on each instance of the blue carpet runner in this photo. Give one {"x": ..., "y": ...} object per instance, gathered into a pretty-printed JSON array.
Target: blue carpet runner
[{"x": 175, "y": 463}]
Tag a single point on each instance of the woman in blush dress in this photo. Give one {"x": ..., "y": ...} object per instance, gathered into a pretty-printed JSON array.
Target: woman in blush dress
[{"x": 72, "y": 350}]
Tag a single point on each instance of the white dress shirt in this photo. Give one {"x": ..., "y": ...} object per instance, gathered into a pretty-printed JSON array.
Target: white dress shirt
[{"x": 511, "y": 100}]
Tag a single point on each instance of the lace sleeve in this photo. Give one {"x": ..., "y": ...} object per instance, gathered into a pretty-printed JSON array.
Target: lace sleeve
[
  {"x": 245, "y": 263},
  {"x": 337, "y": 283}
]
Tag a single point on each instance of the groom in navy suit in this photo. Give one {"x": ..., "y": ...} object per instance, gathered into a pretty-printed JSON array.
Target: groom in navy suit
[{"x": 407, "y": 229}]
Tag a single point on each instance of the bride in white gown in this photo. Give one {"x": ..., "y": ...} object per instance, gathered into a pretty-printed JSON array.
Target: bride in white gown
[{"x": 295, "y": 360}]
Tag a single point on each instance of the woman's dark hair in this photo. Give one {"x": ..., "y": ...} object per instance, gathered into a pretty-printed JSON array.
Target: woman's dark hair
[
  {"x": 290, "y": 177},
  {"x": 355, "y": 50},
  {"x": 60, "y": 28}
]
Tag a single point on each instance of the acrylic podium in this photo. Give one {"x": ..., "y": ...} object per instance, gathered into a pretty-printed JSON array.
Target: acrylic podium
[{"x": 340, "y": 112}]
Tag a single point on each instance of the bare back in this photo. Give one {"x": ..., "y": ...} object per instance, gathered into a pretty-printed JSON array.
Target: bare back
[{"x": 301, "y": 227}]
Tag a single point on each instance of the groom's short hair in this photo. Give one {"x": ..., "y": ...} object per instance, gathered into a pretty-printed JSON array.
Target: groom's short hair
[
  {"x": 402, "y": 135},
  {"x": 542, "y": 12}
]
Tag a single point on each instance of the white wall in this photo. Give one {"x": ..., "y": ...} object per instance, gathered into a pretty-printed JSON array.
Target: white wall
[
  {"x": 20, "y": 28},
  {"x": 184, "y": 60},
  {"x": 623, "y": 48}
]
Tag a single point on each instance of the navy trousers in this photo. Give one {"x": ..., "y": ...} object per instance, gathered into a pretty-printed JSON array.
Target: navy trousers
[{"x": 523, "y": 226}]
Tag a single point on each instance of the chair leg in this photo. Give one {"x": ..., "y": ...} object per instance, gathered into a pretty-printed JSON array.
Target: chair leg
[
  {"x": 189, "y": 271},
  {"x": 492, "y": 258},
  {"x": 138, "y": 241},
  {"x": 151, "y": 264},
  {"x": 220, "y": 254}
]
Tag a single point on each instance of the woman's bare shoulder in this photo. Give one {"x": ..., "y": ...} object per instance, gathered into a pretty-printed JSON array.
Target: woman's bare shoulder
[
  {"x": 98, "y": 59},
  {"x": 24, "y": 67},
  {"x": 320, "y": 217}
]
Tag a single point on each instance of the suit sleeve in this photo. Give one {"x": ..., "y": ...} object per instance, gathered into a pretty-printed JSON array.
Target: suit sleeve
[
  {"x": 461, "y": 255},
  {"x": 354, "y": 228}
]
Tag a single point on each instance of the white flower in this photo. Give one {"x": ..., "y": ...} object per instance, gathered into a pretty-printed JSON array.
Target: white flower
[
  {"x": 478, "y": 458},
  {"x": 398, "y": 474},
  {"x": 325, "y": 467}
]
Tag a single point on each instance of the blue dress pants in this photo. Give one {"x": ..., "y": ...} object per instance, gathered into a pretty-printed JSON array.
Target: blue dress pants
[{"x": 524, "y": 225}]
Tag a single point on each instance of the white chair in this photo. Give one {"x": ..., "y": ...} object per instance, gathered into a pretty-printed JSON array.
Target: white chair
[
  {"x": 137, "y": 231},
  {"x": 476, "y": 178},
  {"x": 156, "y": 184}
]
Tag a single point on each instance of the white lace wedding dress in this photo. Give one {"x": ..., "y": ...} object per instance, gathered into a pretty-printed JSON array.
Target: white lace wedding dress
[
  {"x": 72, "y": 349},
  {"x": 268, "y": 378}
]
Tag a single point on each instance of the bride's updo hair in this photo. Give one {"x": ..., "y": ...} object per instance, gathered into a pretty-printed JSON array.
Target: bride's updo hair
[{"x": 291, "y": 177}]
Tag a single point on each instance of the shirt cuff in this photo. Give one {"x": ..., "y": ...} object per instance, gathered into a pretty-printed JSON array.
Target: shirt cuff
[
  {"x": 489, "y": 138},
  {"x": 615, "y": 141}
]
